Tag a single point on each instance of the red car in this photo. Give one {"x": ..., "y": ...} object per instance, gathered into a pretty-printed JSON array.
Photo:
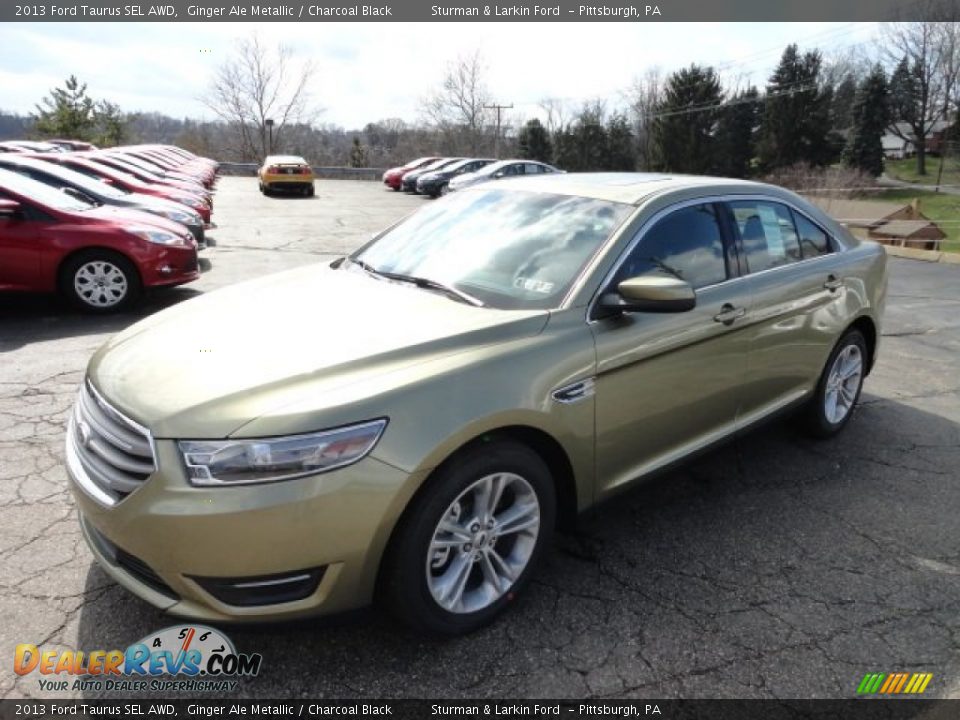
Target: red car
[
  {"x": 394, "y": 176},
  {"x": 100, "y": 258},
  {"x": 128, "y": 182}
]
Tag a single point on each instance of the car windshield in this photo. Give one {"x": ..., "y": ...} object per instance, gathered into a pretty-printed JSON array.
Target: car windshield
[
  {"x": 94, "y": 187},
  {"x": 42, "y": 194},
  {"x": 508, "y": 249},
  {"x": 96, "y": 170}
]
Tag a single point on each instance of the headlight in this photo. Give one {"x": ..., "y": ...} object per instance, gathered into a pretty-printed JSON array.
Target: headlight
[
  {"x": 178, "y": 216},
  {"x": 156, "y": 236},
  {"x": 191, "y": 201},
  {"x": 241, "y": 462}
]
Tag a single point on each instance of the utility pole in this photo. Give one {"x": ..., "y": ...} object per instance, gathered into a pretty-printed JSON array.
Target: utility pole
[{"x": 496, "y": 139}]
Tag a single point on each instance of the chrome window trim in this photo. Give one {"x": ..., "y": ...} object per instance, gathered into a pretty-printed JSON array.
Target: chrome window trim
[{"x": 663, "y": 212}]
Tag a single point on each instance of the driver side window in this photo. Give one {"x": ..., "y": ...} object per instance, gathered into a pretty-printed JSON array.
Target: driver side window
[{"x": 686, "y": 244}]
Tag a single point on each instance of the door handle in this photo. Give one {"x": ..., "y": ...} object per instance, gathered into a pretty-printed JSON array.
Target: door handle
[
  {"x": 833, "y": 283},
  {"x": 728, "y": 313}
]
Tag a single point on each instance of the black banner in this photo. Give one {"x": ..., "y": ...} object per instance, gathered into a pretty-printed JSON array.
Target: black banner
[
  {"x": 460, "y": 11},
  {"x": 863, "y": 709}
]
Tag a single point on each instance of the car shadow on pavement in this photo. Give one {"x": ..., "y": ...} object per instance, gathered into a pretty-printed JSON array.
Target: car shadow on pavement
[
  {"x": 775, "y": 566},
  {"x": 27, "y": 318}
]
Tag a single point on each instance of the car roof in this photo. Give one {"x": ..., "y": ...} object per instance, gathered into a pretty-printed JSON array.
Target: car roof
[
  {"x": 284, "y": 160},
  {"x": 630, "y": 188}
]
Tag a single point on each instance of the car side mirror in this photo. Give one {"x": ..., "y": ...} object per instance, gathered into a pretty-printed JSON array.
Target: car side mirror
[
  {"x": 9, "y": 208},
  {"x": 650, "y": 293}
]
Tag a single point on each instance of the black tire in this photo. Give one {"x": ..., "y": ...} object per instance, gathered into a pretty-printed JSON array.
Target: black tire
[
  {"x": 814, "y": 415},
  {"x": 404, "y": 589},
  {"x": 311, "y": 191},
  {"x": 263, "y": 190},
  {"x": 87, "y": 262}
]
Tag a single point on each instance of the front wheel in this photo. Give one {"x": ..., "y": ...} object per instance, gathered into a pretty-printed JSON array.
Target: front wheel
[
  {"x": 100, "y": 281},
  {"x": 469, "y": 545},
  {"x": 831, "y": 406}
]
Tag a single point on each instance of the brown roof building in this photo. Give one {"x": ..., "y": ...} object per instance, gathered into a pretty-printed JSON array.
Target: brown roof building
[{"x": 889, "y": 223}]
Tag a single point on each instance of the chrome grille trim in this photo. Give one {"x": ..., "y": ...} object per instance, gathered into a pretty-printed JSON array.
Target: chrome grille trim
[{"x": 108, "y": 454}]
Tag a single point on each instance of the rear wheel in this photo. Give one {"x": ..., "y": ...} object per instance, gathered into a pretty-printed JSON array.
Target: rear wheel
[
  {"x": 445, "y": 188},
  {"x": 100, "y": 281},
  {"x": 831, "y": 407},
  {"x": 469, "y": 545},
  {"x": 310, "y": 192}
]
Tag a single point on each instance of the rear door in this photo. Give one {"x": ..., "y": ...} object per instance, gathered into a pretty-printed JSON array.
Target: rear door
[{"x": 796, "y": 283}]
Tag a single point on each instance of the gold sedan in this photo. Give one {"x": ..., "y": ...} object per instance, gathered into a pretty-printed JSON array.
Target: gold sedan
[{"x": 412, "y": 422}]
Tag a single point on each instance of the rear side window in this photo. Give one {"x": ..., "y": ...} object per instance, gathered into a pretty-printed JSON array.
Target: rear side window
[
  {"x": 767, "y": 232},
  {"x": 686, "y": 244},
  {"x": 813, "y": 241}
]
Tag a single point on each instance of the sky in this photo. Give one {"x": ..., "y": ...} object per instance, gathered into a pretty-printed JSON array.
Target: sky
[{"x": 371, "y": 71}]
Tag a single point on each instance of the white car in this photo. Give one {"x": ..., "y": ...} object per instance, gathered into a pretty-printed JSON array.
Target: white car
[{"x": 502, "y": 169}]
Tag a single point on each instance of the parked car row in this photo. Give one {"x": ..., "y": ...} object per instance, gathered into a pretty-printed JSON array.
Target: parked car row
[
  {"x": 100, "y": 226},
  {"x": 435, "y": 176}
]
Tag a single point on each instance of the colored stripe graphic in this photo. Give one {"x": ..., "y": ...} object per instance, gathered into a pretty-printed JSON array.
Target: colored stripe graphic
[{"x": 894, "y": 683}]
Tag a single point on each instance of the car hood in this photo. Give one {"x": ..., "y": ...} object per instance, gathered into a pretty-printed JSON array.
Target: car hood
[
  {"x": 467, "y": 180},
  {"x": 208, "y": 366},
  {"x": 151, "y": 204},
  {"x": 126, "y": 215}
]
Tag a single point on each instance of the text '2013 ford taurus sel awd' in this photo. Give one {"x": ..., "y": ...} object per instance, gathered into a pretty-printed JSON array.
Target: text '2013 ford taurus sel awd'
[{"x": 410, "y": 423}]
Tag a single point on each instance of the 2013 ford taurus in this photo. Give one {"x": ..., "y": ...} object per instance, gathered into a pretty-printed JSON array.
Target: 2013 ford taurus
[{"x": 412, "y": 422}]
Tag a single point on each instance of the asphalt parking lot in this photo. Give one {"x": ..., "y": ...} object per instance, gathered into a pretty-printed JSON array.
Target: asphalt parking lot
[{"x": 774, "y": 567}]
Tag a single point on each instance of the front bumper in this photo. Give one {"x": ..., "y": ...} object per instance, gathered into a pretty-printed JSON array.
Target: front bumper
[
  {"x": 170, "y": 266},
  {"x": 175, "y": 540},
  {"x": 199, "y": 235}
]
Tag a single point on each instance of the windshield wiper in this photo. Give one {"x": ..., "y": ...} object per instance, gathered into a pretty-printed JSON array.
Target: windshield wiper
[{"x": 421, "y": 282}]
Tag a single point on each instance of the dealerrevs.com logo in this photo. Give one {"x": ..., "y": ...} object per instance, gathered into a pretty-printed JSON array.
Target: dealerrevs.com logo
[{"x": 182, "y": 657}]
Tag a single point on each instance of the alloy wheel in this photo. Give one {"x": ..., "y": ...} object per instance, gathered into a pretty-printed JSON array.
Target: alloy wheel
[
  {"x": 843, "y": 383},
  {"x": 483, "y": 542}
]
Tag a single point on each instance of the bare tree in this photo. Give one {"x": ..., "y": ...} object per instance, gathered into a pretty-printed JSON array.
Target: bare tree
[
  {"x": 456, "y": 107},
  {"x": 557, "y": 112},
  {"x": 925, "y": 56},
  {"x": 259, "y": 93},
  {"x": 643, "y": 97}
]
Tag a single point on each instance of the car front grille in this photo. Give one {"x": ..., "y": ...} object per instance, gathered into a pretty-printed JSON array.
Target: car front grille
[{"x": 108, "y": 454}]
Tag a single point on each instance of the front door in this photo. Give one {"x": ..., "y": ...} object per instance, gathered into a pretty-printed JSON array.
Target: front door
[
  {"x": 19, "y": 250},
  {"x": 668, "y": 383}
]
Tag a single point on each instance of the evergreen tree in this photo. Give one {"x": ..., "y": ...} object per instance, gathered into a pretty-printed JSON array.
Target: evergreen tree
[
  {"x": 864, "y": 149},
  {"x": 844, "y": 95},
  {"x": 685, "y": 126},
  {"x": 621, "y": 146},
  {"x": 358, "y": 154},
  {"x": 534, "y": 142},
  {"x": 583, "y": 145},
  {"x": 736, "y": 131},
  {"x": 67, "y": 112},
  {"x": 110, "y": 123},
  {"x": 797, "y": 113}
]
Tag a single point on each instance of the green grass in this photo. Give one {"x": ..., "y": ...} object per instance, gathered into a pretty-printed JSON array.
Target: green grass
[
  {"x": 906, "y": 170},
  {"x": 939, "y": 207}
]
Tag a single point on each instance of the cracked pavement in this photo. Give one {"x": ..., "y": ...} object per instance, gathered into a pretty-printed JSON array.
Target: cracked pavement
[{"x": 774, "y": 567}]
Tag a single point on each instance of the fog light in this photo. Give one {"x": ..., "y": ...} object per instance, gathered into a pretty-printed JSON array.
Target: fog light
[{"x": 263, "y": 589}]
